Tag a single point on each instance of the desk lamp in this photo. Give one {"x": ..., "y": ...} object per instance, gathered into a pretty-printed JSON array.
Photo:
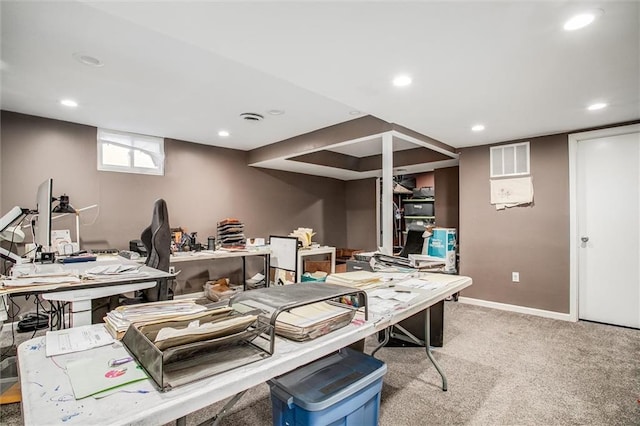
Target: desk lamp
[{"x": 12, "y": 233}]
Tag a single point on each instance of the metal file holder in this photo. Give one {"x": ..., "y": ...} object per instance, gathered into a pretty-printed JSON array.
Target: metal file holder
[
  {"x": 186, "y": 363},
  {"x": 193, "y": 361},
  {"x": 284, "y": 298}
]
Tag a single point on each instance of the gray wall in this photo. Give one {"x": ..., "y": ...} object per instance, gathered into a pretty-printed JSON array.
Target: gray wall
[
  {"x": 532, "y": 240},
  {"x": 447, "y": 205},
  {"x": 361, "y": 214},
  {"x": 202, "y": 185}
]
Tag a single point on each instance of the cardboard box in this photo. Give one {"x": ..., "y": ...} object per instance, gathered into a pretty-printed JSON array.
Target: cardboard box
[{"x": 443, "y": 245}]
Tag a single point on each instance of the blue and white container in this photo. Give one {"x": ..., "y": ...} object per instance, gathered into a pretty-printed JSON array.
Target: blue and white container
[{"x": 341, "y": 389}]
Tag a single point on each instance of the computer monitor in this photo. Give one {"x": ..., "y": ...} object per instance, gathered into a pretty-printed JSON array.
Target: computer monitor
[{"x": 42, "y": 232}]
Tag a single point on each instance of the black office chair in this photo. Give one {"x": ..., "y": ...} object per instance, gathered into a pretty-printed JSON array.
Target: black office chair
[
  {"x": 157, "y": 241},
  {"x": 414, "y": 243},
  {"x": 157, "y": 238}
]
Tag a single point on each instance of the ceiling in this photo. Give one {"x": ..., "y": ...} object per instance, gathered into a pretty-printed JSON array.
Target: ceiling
[{"x": 186, "y": 70}]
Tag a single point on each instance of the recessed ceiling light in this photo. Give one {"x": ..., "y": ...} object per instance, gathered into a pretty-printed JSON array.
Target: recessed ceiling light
[
  {"x": 223, "y": 133},
  {"x": 478, "y": 128},
  {"x": 597, "y": 106},
  {"x": 276, "y": 111},
  {"x": 355, "y": 112},
  {"x": 581, "y": 20},
  {"x": 87, "y": 60},
  {"x": 402, "y": 80},
  {"x": 69, "y": 103}
]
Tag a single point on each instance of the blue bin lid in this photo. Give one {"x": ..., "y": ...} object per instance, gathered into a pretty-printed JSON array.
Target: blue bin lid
[{"x": 329, "y": 380}]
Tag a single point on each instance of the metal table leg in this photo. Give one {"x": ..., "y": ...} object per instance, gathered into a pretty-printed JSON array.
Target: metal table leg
[
  {"x": 215, "y": 420},
  {"x": 427, "y": 341},
  {"x": 384, "y": 341},
  {"x": 244, "y": 273}
]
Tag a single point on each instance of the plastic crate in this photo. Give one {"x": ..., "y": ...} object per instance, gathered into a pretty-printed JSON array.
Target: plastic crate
[{"x": 341, "y": 389}]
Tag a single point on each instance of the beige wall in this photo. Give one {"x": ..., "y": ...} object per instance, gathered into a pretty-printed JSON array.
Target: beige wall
[
  {"x": 447, "y": 204},
  {"x": 532, "y": 240},
  {"x": 361, "y": 214},
  {"x": 202, "y": 185}
]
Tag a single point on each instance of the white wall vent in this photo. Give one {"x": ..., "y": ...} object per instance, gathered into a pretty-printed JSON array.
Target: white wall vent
[
  {"x": 510, "y": 160},
  {"x": 251, "y": 116}
]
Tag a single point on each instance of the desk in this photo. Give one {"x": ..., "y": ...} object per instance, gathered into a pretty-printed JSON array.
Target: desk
[
  {"x": 82, "y": 292},
  {"x": 47, "y": 393},
  {"x": 304, "y": 252},
  {"x": 265, "y": 252}
]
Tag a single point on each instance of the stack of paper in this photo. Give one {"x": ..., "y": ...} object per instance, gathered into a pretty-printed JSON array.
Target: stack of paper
[
  {"x": 304, "y": 235},
  {"x": 24, "y": 275},
  {"x": 311, "y": 321},
  {"x": 119, "y": 269},
  {"x": 195, "y": 331},
  {"x": 358, "y": 279},
  {"x": 119, "y": 320}
]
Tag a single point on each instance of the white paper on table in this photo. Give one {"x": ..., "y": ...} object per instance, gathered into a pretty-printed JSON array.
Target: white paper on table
[
  {"x": 381, "y": 307},
  {"x": 76, "y": 339},
  {"x": 389, "y": 293},
  {"x": 91, "y": 375},
  {"x": 31, "y": 281},
  {"x": 422, "y": 284},
  {"x": 404, "y": 297},
  {"x": 383, "y": 293}
]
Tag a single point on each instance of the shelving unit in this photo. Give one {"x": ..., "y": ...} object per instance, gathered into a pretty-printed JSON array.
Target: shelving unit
[{"x": 418, "y": 213}]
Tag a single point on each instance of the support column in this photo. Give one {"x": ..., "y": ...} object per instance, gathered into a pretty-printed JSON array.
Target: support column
[{"x": 387, "y": 192}]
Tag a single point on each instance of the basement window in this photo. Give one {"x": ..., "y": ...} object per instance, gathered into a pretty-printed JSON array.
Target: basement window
[
  {"x": 510, "y": 160},
  {"x": 130, "y": 153}
]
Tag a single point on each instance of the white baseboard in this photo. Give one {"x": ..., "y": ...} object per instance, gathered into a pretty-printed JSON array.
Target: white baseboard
[{"x": 515, "y": 308}]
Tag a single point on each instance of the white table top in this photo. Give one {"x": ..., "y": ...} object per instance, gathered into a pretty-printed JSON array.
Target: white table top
[
  {"x": 148, "y": 274},
  {"x": 47, "y": 394},
  {"x": 218, "y": 254},
  {"x": 310, "y": 251}
]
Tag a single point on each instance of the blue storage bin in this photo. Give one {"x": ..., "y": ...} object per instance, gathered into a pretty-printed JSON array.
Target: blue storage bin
[{"x": 341, "y": 389}]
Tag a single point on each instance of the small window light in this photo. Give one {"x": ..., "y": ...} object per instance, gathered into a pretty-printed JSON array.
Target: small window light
[
  {"x": 478, "y": 128},
  {"x": 69, "y": 103},
  {"x": 597, "y": 106},
  {"x": 582, "y": 20},
  {"x": 223, "y": 133},
  {"x": 402, "y": 80}
]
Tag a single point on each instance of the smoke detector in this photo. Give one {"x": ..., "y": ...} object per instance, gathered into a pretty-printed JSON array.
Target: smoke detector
[{"x": 251, "y": 116}]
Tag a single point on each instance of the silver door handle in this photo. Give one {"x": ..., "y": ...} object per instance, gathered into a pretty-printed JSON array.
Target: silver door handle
[{"x": 584, "y": 239}]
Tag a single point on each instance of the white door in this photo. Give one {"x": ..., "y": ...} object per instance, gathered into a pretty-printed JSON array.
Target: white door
[{"x": 608, "y": 231}]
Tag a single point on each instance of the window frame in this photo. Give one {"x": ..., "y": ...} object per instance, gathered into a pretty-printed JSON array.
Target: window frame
[{"x": 157, "y": 157}]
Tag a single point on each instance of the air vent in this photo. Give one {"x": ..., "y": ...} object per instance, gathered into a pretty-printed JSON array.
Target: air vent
[{"x": 251, "y": 116}]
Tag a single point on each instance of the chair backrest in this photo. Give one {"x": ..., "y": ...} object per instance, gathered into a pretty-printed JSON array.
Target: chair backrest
[
  {"x": 414, "y": 243},
  {"x": 157, "y": 238}
]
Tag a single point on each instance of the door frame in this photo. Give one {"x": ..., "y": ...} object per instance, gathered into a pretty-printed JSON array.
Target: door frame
[{"x": 574, "y": 238}]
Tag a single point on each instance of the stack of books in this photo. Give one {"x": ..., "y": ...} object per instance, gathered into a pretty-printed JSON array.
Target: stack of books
[{"x": 118, "y": 321}]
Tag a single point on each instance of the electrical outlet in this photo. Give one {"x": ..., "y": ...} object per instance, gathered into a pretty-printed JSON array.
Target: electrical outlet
[{"x": 515, "y": 277}]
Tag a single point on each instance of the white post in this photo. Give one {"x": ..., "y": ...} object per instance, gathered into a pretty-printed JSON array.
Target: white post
[
  {"x": 387, "y": 193},
  {"x": 78, "y": 229}
]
